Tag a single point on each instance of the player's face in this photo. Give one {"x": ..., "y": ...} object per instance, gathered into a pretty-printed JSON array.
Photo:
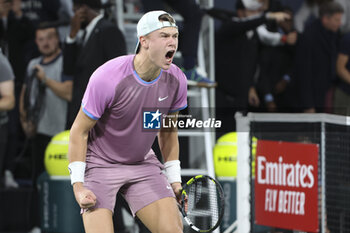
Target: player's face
[
  {"x": 162, "y": 45},
  {"x": 47, "y": 41}
]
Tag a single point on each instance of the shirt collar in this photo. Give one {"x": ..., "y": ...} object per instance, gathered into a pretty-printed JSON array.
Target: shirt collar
[{"x": 91, "y": 26}]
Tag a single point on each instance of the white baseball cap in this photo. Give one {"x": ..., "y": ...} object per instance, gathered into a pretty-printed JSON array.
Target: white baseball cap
[{"x": 150, "y": 22}]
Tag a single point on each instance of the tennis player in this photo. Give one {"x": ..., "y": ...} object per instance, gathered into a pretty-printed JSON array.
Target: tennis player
[{"x": 110, "y": 151}]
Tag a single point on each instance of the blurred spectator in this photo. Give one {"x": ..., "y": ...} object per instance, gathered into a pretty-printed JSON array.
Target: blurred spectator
[
  {"x": 276, "y": 62},
  {"x": 345, "y": 28},
  {"x": 7, "y": 102},
  {"x": 189, "y": 35},
  {"x": 237, "y": 48},
  {"x": 41, "y": 10},
  {"x": 46, "y": 70},
  {"x": 308, "y": 12},
  {"x": 43, "y": 101},
  {"x": 98, "y": 41},
  {"x": 54, "y": 11},
  {"x": 316, "y": 58},
  {"x": 342, "y": 91},
  {"x": 270, "y": 6},
  {"x": 5, "y": 7},
  {"x": 19, "y": 35},
  {"x": 16, "y": 32},
  {"x": 276, "y": 33}
]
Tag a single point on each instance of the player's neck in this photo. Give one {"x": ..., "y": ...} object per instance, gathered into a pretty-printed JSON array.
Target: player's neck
[{"x": 145, "y": 68}]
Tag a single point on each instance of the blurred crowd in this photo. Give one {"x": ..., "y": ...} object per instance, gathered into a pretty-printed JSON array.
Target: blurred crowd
[
  {"x": 269, "y": 57},
  {"x": 295, "y": 65}
]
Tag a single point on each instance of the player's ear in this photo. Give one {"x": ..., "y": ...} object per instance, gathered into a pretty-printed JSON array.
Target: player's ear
[{"x": 144, "y": 42}]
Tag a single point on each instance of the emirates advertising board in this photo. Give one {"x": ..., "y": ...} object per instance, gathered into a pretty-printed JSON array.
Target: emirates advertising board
[{"x": 286, "y": 185}]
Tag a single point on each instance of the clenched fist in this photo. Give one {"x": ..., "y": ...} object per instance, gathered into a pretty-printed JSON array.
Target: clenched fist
[{"x": 85, "y": 197}]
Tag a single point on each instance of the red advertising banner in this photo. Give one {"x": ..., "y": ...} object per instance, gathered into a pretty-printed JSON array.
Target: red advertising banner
[{"x": 286, "y": 185}]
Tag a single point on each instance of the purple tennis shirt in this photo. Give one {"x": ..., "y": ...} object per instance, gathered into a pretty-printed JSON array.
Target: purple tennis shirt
[{"x": 117, "y": 97}]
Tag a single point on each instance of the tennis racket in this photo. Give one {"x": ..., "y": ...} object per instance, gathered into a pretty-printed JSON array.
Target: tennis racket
[{"x": 203, "y": 203}]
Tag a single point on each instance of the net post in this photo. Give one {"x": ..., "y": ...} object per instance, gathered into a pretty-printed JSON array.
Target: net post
[
  {"x": 243, "y": 174},
  {"x": 323, "y": 177}
]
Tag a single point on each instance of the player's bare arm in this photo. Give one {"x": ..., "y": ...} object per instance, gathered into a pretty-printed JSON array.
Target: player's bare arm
[
  {"x": 169, "y": 146},
  {"x": 77, "y": 154}
]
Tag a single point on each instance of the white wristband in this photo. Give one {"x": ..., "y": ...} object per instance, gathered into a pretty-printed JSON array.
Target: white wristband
[
  {"x": 173, "y": 171},
  {"x": 77, "y": 171}
]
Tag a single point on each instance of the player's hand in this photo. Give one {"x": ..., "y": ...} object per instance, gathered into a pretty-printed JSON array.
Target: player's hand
[
  {"x": 178, "y": 190},
  {"x": 84, "y": 196}
]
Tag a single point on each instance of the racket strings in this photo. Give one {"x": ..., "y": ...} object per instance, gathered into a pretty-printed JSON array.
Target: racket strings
[{"x": 203, "y": 206}]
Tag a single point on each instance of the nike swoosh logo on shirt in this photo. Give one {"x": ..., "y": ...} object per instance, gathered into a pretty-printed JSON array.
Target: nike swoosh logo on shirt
[{"x": 161, "y": 99}]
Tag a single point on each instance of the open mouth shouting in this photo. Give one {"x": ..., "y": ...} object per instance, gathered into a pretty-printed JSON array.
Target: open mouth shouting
[{"x": 169, "y": 56}]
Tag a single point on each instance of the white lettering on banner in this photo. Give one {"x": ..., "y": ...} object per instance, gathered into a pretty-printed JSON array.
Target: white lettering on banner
[
  {"x": 284, "y": 174},
  {"x": 270, "y": 200},
  {"x": 291, "y": 202}
]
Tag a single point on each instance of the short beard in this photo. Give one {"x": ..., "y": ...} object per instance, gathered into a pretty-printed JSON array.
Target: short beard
[{"x": 49, "y": 54}]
